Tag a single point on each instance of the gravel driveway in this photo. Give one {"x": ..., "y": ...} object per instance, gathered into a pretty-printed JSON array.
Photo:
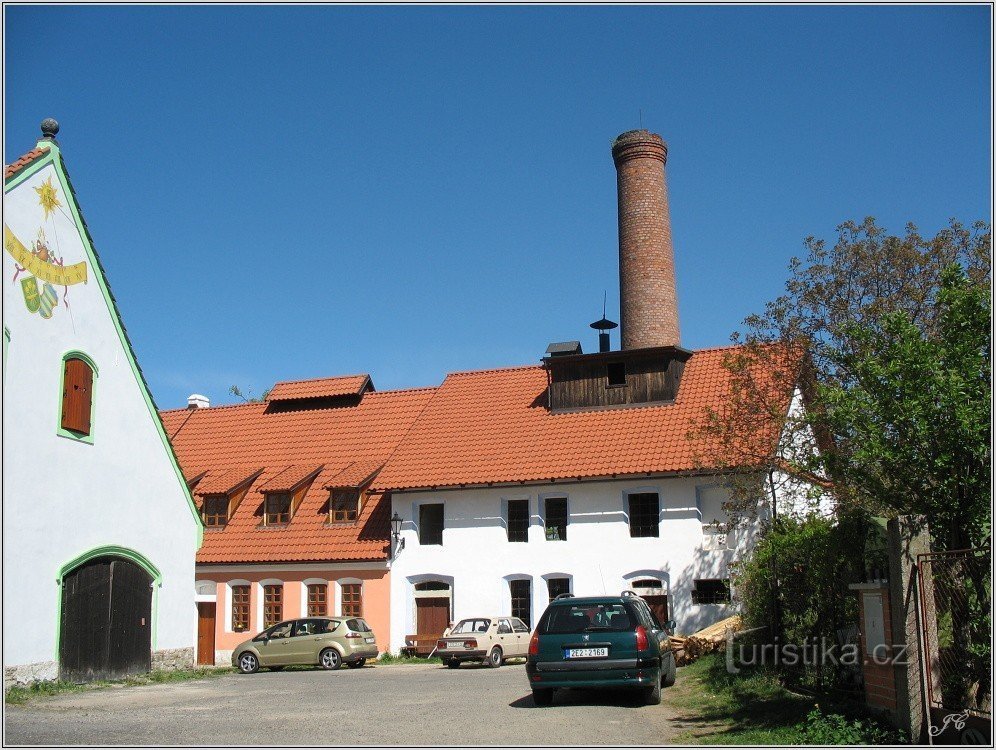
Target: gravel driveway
[{"x": 404, "y": 704}]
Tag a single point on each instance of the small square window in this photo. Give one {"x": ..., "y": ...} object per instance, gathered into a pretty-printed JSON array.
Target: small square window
[
  {"x": 558, "y": 586},
  {"x": 344, "y": 506},
  {"x": 711, "y": 591},
  {"x": 555, "y": 518},
  {"x": 317, "y": 600},
  {"x": 215, "y": 511},
  {"x": 644, "y": 514},
  {"x": 278, "y": 506},
  {"x": 518, "y": 520},
  {"x": 352, "y": 600},
  {"x": 430, "y": 524},
  {"x": 616, "y": 373}
]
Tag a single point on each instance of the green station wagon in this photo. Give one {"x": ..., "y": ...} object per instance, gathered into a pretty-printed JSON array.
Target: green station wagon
[
  {"x": 328, "y": 642},
  {"x": 600, "y": 642}
]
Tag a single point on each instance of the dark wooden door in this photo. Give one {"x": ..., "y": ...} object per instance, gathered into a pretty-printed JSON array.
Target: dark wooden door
[
  {"x": 658, "y": 605},
  {"x": 433, "y": 615},
  {"x": 106, "y": 628},
  {"x": 205, "y": 632}
]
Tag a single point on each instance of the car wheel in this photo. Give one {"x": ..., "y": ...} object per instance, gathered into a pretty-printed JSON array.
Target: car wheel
[
  {"x": 543, "y": 697},
  {"x": 330, "y": 659},
  {"x": 495, "y": 658},
  {"x": 356, "y": 664},
  {"x": 671, "y": 673},
  {"x": 248, "y": 663},
  {"x": 652, "y": 694},
  {"x": 453, "y": 663}
]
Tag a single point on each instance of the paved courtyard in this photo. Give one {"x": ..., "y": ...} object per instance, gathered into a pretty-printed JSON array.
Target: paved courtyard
[{"x": 404, "y": 704}]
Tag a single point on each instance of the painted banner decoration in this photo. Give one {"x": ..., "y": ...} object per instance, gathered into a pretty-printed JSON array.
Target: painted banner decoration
[{"x": 38, "y": 266}]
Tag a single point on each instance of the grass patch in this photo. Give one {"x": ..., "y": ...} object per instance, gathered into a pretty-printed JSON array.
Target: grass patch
[
  {"x": 388, "y": 659},
  {"x": 752, "y": 708},
  {"x": 19, "y": 694}
]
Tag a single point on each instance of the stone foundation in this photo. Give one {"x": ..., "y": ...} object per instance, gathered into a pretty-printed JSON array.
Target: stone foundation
[
  {"x": 24, "y": 674},
  {"x": 223, "y": 658},
  {"x": 171, "y": 659}
]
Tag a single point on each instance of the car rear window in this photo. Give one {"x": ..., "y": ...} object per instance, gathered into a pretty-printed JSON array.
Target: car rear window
[
  {"x": 358, "y": 625},
  {"x": 585, "y": 618},
  {"x": 471, "y": 626}
]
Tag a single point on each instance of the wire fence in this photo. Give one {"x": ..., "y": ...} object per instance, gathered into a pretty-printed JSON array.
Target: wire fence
[{"x": 956, "y": 628}]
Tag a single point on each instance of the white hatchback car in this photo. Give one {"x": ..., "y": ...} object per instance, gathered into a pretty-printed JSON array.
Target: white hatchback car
[{"x": 487, "y": 639}]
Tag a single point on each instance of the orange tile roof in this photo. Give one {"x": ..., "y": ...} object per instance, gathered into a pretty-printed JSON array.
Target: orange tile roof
[
  {"x": 223, "y": 481},
  {"x": 491, "y": 427},
  {"x": 223, "y": 438},
  {"x": 347, "y": 385},
  {"x": 12, "y": 169},
  {"x": 354, "y": 475},
  {"x": 290, "y": 478}
]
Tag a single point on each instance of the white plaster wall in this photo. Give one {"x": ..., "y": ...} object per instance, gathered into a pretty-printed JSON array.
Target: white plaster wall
[
  {"x": 62, "y": 497},
  {"x": 599, "y": 553}
]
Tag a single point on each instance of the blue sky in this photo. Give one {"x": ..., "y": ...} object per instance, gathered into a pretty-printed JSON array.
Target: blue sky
[{"x": 282, "y": 193}]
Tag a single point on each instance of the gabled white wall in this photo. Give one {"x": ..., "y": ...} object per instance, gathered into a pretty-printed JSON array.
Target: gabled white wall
[
  {"x": 63, "y": 497},
  {"x": 599, "y": 553}
]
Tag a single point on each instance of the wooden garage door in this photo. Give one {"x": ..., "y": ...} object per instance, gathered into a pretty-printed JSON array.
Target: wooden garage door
[
  {"x": 106, "y": 628},
  {"x": 432, "y": 616}
]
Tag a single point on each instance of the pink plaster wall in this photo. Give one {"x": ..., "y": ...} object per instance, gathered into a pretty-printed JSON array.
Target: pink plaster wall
[{"x": 376, "y": 599}]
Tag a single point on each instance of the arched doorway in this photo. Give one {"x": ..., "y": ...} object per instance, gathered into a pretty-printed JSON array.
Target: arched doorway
[
  {"x": 653, "y": 592},
  {"x": 432, "y": 608},
  {"x": 106, "y": 627}
]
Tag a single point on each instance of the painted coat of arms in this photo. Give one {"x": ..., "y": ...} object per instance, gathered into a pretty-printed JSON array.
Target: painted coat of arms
[{"x": 43, "y": 262}]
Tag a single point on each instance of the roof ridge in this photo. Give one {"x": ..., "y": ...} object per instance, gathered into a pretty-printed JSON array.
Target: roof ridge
[
  {"x": 327, "y": 377},
  {"x": 511, "y": 368},
  {"x": 415, "y": 389},
  {"x": 25, "y": 160}
]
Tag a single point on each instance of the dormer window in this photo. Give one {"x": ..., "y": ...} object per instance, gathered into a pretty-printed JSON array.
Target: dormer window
[
  {"x": 344, "y": 506},
  {"x": 215, "y": 511},
  {"x": 277, "y": 509}
]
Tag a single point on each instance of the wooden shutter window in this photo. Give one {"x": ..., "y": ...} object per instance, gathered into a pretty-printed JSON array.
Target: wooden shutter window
[
  {"x": 352, "y": 600},
  {"x": 77, "y": 395}
]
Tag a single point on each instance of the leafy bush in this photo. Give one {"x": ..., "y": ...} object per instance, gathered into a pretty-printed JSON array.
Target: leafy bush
[
  {"x": 794, "y": 585},
  {"x": 833, "y": 729}
]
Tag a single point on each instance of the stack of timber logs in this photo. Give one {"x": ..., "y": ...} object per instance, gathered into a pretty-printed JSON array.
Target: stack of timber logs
[{"x": 713, "y": 638}]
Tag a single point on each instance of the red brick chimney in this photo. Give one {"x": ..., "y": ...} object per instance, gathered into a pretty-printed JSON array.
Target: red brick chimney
[{"x": 648, "y": 299}]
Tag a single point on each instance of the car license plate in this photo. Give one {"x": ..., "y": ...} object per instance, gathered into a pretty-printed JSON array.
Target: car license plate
[
  {"x": 586, "y": 653},
  {"x": 370, "y": 640}
]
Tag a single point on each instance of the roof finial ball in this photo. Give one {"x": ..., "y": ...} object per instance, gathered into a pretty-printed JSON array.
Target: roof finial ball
[{"x": 49, "y": 128}]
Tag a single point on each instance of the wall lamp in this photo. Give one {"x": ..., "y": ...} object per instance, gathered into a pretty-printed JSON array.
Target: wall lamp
[{"x": 396, "y": 522}]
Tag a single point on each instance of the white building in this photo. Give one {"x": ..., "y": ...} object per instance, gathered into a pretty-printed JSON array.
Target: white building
[
  {"x": 99, "y": 529},
  {"x": 506, "y": 502}
]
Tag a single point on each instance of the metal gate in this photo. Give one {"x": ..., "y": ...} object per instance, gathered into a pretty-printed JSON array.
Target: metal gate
[
  {"x": 955, "y": 624},
  {"x": 106, "y": 628}
]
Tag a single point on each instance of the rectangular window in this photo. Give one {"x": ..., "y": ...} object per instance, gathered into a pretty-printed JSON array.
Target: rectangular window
[
  {"x": 240, "y": 608},
  {"x": 215, "y": 511},
  {"x": 77, "y": 386},
  {"x": 555, "y": 519},
  {"x": 615, "y": 373},
  {"x": 521, "y": 591},
  {"x": 711, "y": 591},
  {"x": 558, "y": 586},
  {"x": 352, "y": 600},
  {"x": 518, "y": 520},
  {"x": 344, "y": 505},
  {"x": 273, "y": 604},
  {"x": 278, "y": 506},
  {"x": 318, "y": 600},
  {"x": 644, "y": 514},
  {"x": 430, "y": 524}
]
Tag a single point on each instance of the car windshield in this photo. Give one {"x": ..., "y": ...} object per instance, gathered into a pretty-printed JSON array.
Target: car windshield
[
  {"x": 358, "y": 625},
  {"x": 471, "y": 626},
  {"x": 585, "y": 618}
]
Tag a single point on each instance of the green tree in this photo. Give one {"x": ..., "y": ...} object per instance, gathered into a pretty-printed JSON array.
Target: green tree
[{"x": 891, "y": 345}]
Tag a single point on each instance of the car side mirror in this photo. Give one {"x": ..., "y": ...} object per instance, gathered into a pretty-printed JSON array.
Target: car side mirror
[{"x": 670, "y": 624}]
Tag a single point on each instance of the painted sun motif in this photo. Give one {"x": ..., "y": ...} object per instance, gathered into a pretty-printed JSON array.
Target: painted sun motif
[{"x": 47, "y": 197}]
